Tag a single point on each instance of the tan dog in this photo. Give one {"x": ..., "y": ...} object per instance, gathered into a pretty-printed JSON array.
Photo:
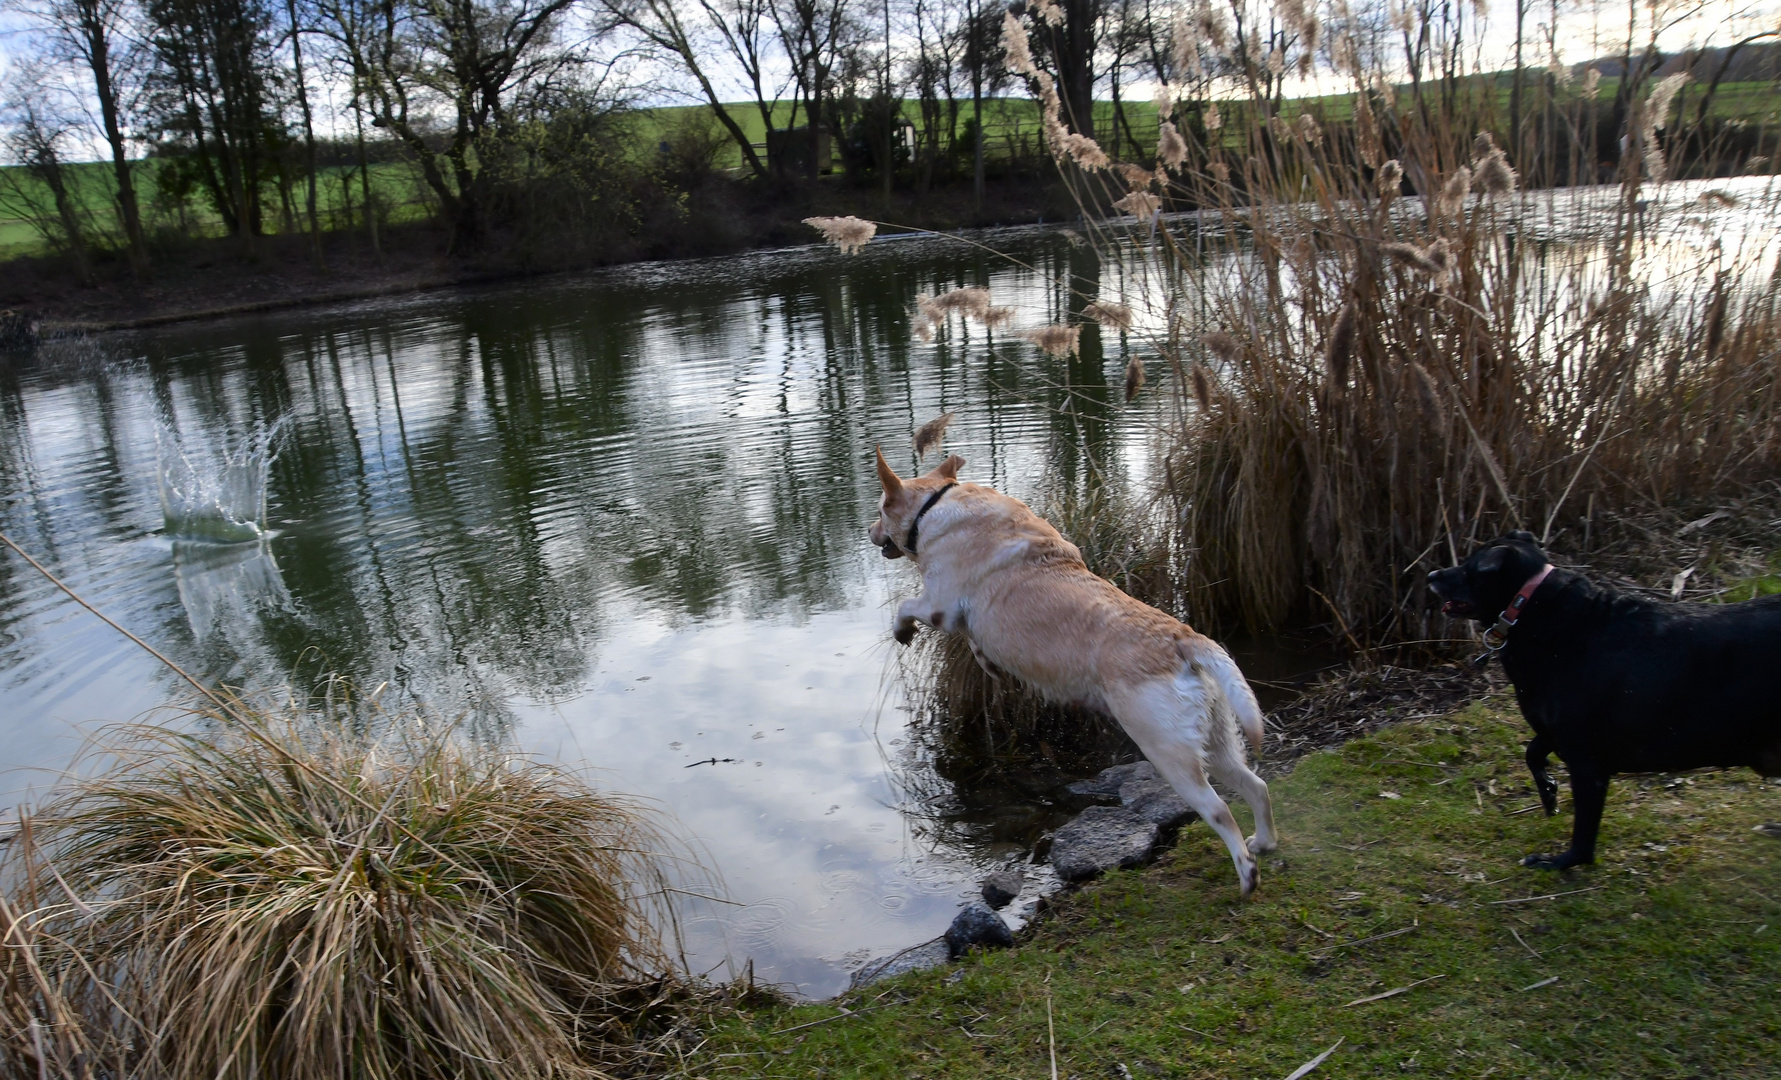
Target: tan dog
[{"x": 1001, "y": 575}]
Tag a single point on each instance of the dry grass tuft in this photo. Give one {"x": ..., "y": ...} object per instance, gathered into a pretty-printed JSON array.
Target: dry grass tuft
[{"x": 281, "y": 901}]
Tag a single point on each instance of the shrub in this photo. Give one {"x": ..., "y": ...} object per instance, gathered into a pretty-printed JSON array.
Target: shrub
[{"x": 265, "y": 897}]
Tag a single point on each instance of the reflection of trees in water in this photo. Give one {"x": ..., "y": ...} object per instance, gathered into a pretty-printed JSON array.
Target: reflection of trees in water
[{"x": 467, "y": 502}]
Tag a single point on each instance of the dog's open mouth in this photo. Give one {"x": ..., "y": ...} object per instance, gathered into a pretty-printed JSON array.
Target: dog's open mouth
[
  {"x": 889, "y": 549},
  {"x": 1457, "y": 607}
]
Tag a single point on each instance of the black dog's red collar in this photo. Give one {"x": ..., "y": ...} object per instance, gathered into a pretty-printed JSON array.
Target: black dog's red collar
[{"x": 1498, "y": 635}]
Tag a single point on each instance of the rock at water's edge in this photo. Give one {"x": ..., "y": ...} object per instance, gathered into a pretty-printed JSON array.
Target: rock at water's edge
[
  {"x": 1155, "y": 801},
  {"x": 929, "y": 954},
  {"x": 1105, "y": 784},
  {"x": 1001, "y": 887},
  {"x": 1101, "y": 838},
  {"x": 977, "y": 926}
]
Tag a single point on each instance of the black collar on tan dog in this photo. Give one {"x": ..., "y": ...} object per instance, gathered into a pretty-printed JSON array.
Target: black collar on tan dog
[{"x": 915, "y": 526}]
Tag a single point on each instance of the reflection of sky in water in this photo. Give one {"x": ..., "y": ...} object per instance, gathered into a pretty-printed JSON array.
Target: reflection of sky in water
[
  {"x": 621, "y": 516},
  {"x": 607, "y": 514}
]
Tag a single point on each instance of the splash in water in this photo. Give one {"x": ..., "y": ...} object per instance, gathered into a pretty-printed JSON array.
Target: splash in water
[{"x": 212, "y": 492}]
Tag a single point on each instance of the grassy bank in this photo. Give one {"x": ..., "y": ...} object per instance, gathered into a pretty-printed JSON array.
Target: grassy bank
[
  {"x": 1659, "y": 961},
  {"x": 268, "y": 896}
]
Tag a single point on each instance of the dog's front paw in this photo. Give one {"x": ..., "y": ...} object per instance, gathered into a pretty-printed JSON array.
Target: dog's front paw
[
  {"x": 1562, "y": 861},
  {"x": 1259, "y": 846},
  {"x": 904, "y": 632}
]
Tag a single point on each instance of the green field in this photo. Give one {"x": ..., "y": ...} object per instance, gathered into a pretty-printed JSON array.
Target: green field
[
  {"x": 1393, "y": 919},
  {"x": 396, "y": 185},
  {"x": 1011, "y": 125}
]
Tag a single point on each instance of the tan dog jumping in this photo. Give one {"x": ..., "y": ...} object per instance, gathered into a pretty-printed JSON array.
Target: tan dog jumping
[{"x": 999, "y": 574}]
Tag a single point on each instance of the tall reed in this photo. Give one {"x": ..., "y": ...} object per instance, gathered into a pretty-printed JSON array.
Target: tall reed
[
  {"x": 1387, "y": 349},
  {"x": 285, "y": 901}
]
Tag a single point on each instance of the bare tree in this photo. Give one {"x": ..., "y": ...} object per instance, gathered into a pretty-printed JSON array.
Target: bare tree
[
  {"x": 474, "y": 58},
  {"x": 814, "y": 34},
  {"x": 37, "y": 137},
  {"x": 660, "y": 24},
  {"x": 295, "y": 28},
  {"x": 746, "y": 29},
  {"x": 96, "y": 37}
]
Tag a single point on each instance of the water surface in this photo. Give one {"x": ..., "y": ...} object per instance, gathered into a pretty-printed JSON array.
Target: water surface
[{"x": 618, "y": 518}]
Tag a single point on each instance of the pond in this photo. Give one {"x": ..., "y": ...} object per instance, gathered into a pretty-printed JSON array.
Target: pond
[{"x": 618, "y": 518}]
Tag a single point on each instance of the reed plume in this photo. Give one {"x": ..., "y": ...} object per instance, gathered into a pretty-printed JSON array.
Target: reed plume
[
  {"x": 1140, "y": 204},
  {"x": 1108, "y": 313},
  {"x": 850, "y": 234},
  {"x": 1134, "y": 378},
  {"x": 929, "y": 434},
  {"x": 1058, "y": 341}
]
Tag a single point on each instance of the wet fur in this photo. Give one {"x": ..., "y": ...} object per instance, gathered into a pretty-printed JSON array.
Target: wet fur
[
  {"x": 997, "y": 573},
  {"x": 1614, "y": 683}
]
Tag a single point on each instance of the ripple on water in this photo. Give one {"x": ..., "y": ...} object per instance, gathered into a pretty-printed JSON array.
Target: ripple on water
[
  {"x": 839, "y": 881},
  {"x": 758, "y": 925}
]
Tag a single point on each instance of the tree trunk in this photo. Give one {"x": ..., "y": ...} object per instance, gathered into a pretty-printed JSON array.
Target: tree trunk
[
  {"x": 98, "y": 51},
  {"x": 48, "y": 168},
  {"x": 365, "y": 182},
  {"x": 977, "y": 150},
  {"x": 315, "y": 225}
]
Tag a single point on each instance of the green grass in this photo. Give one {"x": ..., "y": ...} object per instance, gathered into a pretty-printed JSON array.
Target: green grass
[
  {"x": 395, "y": 184},
  {"x": 1664, "y": 967},
  {"x": 1752, "y": 587}
]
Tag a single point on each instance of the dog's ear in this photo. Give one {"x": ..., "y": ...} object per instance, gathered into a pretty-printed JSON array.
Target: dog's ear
[
  {"x": 887, "y": 475},
  {"x": 1522, "y": 535},
  {"x": 1490, "y": 560},
  {"x": 950, "y": 467}
]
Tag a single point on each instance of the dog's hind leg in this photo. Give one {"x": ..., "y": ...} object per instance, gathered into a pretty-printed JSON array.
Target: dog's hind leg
[
  {"x": 1229, "y": 765},
  {"x": 1538, "y": 750},
  {"x": 1197, "y": 793},
  {"x": 1170, "y": 720}
]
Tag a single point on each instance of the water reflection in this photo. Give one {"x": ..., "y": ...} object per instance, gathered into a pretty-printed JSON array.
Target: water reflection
[{"x": 620, "y": 518}]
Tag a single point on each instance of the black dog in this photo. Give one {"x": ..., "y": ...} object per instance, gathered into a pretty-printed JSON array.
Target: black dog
[{"x": 1615, "y": 683}]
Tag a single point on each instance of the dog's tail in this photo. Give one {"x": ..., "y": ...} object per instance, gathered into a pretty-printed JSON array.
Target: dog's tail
[{"x": 1236, "y": 690}]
